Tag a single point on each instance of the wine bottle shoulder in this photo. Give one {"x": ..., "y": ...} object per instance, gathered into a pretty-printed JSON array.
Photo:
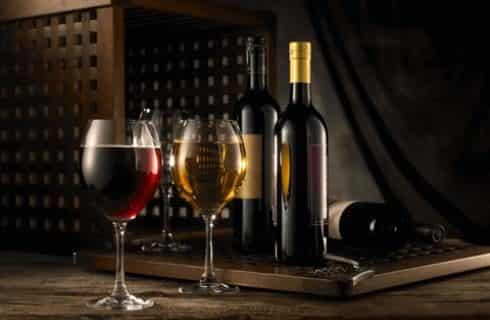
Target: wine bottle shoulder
[
  {"x": 298, "y": 116},
  {"x": 257, "y": 100},
  {"x": 257, "y": 113}
]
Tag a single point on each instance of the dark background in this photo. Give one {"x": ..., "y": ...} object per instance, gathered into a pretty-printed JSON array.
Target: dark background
[{"x": 403, "y": 86}]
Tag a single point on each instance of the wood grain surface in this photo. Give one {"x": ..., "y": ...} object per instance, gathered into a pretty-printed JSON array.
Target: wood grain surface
[
  {"x": 18, "y": 9},
  {"x": 43, "y": 287},
  {"x": 410, "y": 264},
  {"x": 207, "y": 10}
]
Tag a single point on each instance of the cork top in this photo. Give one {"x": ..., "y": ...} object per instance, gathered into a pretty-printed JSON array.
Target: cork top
[
  {"x": 300, "y": 62},
  {"x": 300, "y": 50}
]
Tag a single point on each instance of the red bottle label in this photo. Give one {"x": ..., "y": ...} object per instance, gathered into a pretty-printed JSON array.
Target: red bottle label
[{"x": 317, "y": 189}]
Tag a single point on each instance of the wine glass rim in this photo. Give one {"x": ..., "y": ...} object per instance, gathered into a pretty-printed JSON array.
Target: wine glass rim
[
  {"x": 138, "y": 120},
  {"x": 230, "y": 121},
  {"x": 121, "y": 144},
  {"x": 125, "y": 120}
]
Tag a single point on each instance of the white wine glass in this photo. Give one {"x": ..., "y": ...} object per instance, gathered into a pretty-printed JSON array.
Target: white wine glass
[{"x": 208, "y": 165}]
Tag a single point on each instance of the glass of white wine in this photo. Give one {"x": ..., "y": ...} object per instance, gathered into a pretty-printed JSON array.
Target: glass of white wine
[{"x": 208, "y": 165}]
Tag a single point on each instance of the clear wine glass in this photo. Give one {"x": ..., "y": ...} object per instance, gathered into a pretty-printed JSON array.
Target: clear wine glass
[
  {"x": 121, "y": 167},
  {"x": 208, "y": 166},
  {"x": 167, "y": 242}
]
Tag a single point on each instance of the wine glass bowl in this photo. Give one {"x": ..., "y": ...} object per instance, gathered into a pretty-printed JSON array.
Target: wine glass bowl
[
  {"x": 121, "y": 167},
  {"x": 166, "y": 243},
  {"x": 122, "y": 178},
  {"x": 208, "y": 165}
]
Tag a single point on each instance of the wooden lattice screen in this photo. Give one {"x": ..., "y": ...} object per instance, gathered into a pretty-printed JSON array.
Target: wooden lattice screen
[
  {"x": 52, "y": 72},
  {"x": 58, "y": 70},
  {"x": 202, "y": 75}
]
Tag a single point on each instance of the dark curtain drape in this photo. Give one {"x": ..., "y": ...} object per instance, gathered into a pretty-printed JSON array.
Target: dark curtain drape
[{"x": 413, "y": 80}]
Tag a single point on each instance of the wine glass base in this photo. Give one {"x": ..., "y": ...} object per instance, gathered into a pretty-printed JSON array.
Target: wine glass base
[
  {"x": 128, "y": 303},
  {"x": 206, "y": 289},
  {"x": 165, "y": 247}
]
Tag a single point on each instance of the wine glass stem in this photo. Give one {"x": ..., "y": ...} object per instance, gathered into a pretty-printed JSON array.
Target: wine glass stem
[
  {"x": 209, "y": 275},
  {"x": 120, "y": 290},
  {"x": 166, "y": 233}
]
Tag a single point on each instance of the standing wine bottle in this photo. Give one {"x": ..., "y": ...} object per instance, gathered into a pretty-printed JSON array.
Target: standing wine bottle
[
  {"x": 301, "y": 139},
  {"x": 256, "y": 113}
]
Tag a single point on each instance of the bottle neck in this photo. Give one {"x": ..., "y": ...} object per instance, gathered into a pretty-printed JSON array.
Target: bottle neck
[
  {"x": 256, "y": 63},
  {"x": 300, "y": 93},
  {"x": 300, "y": 80},
  {"x": 257, "y": 81}
]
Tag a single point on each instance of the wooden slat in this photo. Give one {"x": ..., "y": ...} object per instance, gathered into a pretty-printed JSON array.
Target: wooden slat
[
  {"x": 111, "y": 73},
  {"x": 18, "y": 9},
  {"x": 206, "y": 10}
]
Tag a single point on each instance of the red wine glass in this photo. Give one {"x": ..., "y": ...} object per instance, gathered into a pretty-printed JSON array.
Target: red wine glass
[{"x": 121, "y": 166}]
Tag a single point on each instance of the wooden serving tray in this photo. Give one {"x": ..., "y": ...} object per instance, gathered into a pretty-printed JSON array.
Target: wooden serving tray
[{"x": 413, "y": 263}]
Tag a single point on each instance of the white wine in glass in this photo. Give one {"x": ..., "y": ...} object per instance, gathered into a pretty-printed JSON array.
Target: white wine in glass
[{"x": 208, "y": 166}]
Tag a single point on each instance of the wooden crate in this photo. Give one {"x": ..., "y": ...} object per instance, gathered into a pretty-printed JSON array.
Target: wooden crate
[{"x": 63, "y": 62}]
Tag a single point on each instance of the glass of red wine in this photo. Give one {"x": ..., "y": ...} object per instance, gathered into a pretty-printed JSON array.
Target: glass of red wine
[{"x": 121, "y": 166}]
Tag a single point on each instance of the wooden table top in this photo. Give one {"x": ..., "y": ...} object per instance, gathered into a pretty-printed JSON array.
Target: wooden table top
[{"x": 45, "y": 287}]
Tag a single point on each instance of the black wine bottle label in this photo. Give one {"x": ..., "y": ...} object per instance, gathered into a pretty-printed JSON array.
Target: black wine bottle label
[
  {"x": 317, "y": 189},
  {"x": 251, "y": 187},
  {"x": 335, "y": 212}
]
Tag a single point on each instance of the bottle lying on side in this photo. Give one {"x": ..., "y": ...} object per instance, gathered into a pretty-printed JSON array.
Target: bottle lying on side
[
  {"x": 376, "y": 226},
  {"x": 429, "y": 233}
]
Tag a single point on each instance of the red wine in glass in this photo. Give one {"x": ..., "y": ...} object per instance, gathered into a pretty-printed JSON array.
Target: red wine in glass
[
  {"x": 121, "y": 165},
  {"x": 122, "y": 179}
]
